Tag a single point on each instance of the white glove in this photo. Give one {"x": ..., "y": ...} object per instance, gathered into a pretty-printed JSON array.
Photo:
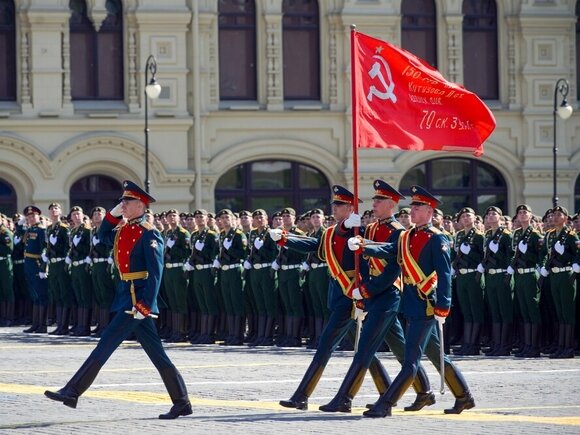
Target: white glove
[
  {"x": 305, "y": 266},
  {"x": 188, "y": 267},
  {"x": 440, "y": 319},
  {"x": 88, "y": 260},
  {"x": 352, "y": 221},
  {"x": 42, "y": 275},
  {"x": 22, "y": 221},
  {"x": 559, "y": 247},
  {"x": 494, "y": 246},
  {"x": 544, "y": 272},
  {"x": 216, "y": 264},
  {"x": 480, "y": 268},
  {"x": 354, "y": 243},
  {"x": 247, "y": 265},
  {"x": 77, "y": 239},
  {"x": 110, "y": 260},
  {"x": 275, "y": 265},
  {"x": 465, "y": 248},
  {"x": 44, "y": 257},
  {"x": 67, "y": 260},
  {"x": 275, "y": 233},
  {"x": 359, "y": 314},
  {"x": 117, "y": 211},
  {"x": 170, "y": 243},
  {"x": 227, "y": 243},
  {"x": 137, "y": 315},
  {"x": 523, "y": 247},
  {"x": 17, "y": 240},
  {"x": 576, "y": 267},
  {"x": 96, "y": 240},
  {"x": 199, "y": 245},
  {"x": 453, "y": 272},
  {"x": 510, "y": 270},
  {"x": 356, "y": 294},
  {"x": 53, "y": 239},
  {"x": 258, "y": 243}
]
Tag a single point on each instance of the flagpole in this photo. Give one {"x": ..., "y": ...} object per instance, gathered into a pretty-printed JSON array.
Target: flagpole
[{"x": 354, "y": 141}]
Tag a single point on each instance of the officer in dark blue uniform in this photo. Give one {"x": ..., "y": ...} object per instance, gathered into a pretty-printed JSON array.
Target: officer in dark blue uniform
[
  {"x": 332, "y": 248},
  {"x": 423, "y": 253},
  {"x": 138, "y": 254},
  {"x": 35, "y": 269}
]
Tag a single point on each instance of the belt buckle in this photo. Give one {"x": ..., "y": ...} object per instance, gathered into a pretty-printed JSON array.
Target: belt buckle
[
  {"x": 492, "y": 271},
  {"x": 199, "y": 266},
  {"x": 257, "y": 266},
  {"x": 462, "y": 271},
  {"x": 225, "y": 267},
  {"x": 555, "y": 269}
]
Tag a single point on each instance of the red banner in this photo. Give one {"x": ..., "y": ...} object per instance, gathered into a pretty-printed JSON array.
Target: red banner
[{"x": 402, "y": 102}]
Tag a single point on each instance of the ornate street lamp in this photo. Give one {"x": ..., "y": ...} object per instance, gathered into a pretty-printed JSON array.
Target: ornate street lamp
[
  {"x": 152, "y": 90},
  {"x": 564, "y": 111}
]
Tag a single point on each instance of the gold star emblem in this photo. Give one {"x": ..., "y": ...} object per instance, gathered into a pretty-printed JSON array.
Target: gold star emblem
[{"x": 379, "y": 49}]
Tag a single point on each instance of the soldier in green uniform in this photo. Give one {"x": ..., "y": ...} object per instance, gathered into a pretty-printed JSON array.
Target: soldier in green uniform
[
  {"x": 59, "y": 284},
  {"x": 250, "y": 307},
  {"x": 205, "y": 247},
  {"x": 80, "y": 271},
  {"x": 262, "y": 253},
  {"x": 6, "y": 274},
  {"x": 404, "y": 217},
  {"x": 528, "y": 246},
  {"x": 21, "y": 296},
  {"x": 289, "y": 262},
  {"x": 177, "y": 251},
  {"x": 498, "y": 256},
  {"x": 103, "y": 285},
  {"x": 469, "y": 253},
  {"x": 233, "y": 244},
  {"x": 561, "y": 244}
]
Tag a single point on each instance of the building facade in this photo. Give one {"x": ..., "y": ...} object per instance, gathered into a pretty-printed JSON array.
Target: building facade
[{"x": 254, "y": 109}]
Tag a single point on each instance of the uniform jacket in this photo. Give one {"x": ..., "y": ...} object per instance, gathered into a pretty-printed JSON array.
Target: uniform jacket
[{"x": 57, "y": 240}]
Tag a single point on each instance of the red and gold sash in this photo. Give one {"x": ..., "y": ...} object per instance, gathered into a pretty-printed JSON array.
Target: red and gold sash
[
  {"x": 336, "y": 271},
  {"x": 412, "y": 272}
]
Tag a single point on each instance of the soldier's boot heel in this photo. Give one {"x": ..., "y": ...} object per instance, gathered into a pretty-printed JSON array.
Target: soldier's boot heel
[{"x": 342, "y": 402}]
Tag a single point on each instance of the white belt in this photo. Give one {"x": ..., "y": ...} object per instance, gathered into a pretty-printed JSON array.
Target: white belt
[
  {"x": 317, "y": 265},
  {"x": 230, "y": 266},
  {"x": 261, "y": 265},
  {"x": 78, "y": 263},
  {"x": 99, "y": 260},
  {"x": 3, "y": 258},
  {"x": 561, "y": 269},
  {"x": 18, "y": 261},
  {"x": 527, "y": 270},
  {"x": 202, "y": 266},
  {"x": 290, "y": 266},
  {"x": 56, "y": 260},
  {"x": 464, "y": 271},
  {"x": 172, "y": 265},
  {"x": 494, "y": 271}
]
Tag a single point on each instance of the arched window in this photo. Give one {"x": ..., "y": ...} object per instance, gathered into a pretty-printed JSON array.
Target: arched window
[
  {"x": 459, "y": 183},
  {"x": 96, "y": 57},
  {"x": 7, "y": 51},
  {"x": 8, "y": 201},
  {"x": 578, "y": 47},
  {"x": 272, "y": 185},
  {"x": 419, "y": 29},
  {"x": 237, "y": 49},
  {"x": 95, "y": 190},
  {"x": 480, "y": 48},
  {"x": 301, "y": 45}
]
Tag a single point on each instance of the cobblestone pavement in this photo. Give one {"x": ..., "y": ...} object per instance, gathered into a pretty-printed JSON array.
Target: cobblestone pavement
[{"x": 236, "y": 390}]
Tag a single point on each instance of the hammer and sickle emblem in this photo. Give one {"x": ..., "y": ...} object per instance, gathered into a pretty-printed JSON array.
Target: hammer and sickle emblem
[{"x": 376, "y": 71}]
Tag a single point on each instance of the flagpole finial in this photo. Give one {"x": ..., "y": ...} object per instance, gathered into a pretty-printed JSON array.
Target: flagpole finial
[{"x": 353, "y": 27}]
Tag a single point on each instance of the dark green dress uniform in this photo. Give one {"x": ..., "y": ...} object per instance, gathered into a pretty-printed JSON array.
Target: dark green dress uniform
[
  {"x": 317, "y": 278},
  {"x": 562, "y": 252},
  {"x": 528, "y": 247},
  {"x": 498, "y": 256},
  {"x": 21, "y": 294},
  {"x": 81, "y": 281},
  {"x": 469, "y": 253},
  {"x": 59, "y": 280},
  {"x": 290, "y": 262},
  {"x": 177, "y": 251},
  {"x": 232, "y": 253},
  {"x": 6, "y": 276},
  {"x": 102, "y": 279},
  {"x": 263, "y": 252},
  {"x": 205, "y": 247}
]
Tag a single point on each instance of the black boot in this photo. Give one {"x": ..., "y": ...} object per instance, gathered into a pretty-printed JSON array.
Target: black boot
[
  {"x": 466, "y": 346},
  {"x": 380, "y": 377},
  {"x": 178, "y": 393},
  {"x": 35, "y": 324},
  {"x": 527, "y": 341},
  {"x": 496, "y": 337},
  {"x": 534, "y": 349},
  {"x": 458, "y": 387},
  {"x": 561, "y": 341},
  {"x": 79, "y": 383},
  {"x": 422, "y": 400},
  {"x": 505, "y": 347},
  {"x": 64, "y": 330},
  {"x": 299, "y": 399},
  {"x": 260, "y": 333},
  {"x": 58, "y": 322},
  {"x": 568, "y": 351},
  {"x": 41, "y": 320},
  {"x": 342, "y": 402},
  {"x": 474, "y": 341}
]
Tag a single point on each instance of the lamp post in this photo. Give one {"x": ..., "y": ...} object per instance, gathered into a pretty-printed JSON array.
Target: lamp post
[
  {"x": 564, "y": 111},
  {"x": 152, "y": 90}
]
